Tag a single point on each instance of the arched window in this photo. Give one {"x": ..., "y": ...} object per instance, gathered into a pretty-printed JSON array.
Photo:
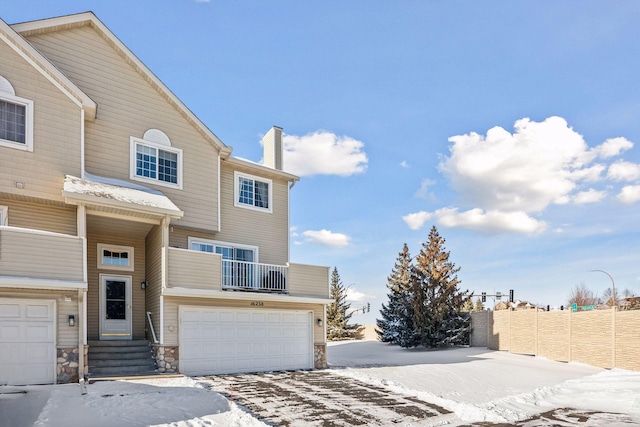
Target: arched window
[{"x": 155, "y": 161}]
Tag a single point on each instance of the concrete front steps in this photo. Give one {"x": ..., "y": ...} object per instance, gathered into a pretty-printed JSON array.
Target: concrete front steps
[{"x": 121, "y": 358}]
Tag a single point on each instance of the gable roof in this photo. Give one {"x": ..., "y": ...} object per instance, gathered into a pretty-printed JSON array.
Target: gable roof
[
  {"x": 38, "y": 61},
  {"x": 88, "y": 18}
]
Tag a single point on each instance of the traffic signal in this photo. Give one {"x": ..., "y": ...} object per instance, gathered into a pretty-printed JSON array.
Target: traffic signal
[
  {"x": 484, "y": 297},
  {"x": 368, "y": 307},
  {"x": 510, "y": 295}
]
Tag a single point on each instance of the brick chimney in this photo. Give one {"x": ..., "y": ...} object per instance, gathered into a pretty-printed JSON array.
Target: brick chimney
[{"x": 272, "y": 146}]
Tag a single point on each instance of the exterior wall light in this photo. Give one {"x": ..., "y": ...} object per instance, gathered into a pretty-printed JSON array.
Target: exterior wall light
[
  {"x": 72, "y": 320},
  {"x": 319, "y": 321}
]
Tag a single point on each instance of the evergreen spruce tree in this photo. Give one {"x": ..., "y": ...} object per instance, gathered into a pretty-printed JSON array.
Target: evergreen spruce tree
[
  {"x": 396, "y": 324},
  {"x": 338, "y": 327},
  {"x": 479, "y": 306},
  {"x": 437, "y": 301}
]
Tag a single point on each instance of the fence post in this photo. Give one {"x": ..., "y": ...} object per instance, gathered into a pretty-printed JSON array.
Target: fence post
[
  {"x": 569, "y": 339},
  {"x": 536, "y": 330},
  {"x": 613, "y": 337}
]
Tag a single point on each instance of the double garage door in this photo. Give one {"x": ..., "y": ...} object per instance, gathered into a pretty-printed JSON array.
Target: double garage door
[
  {"x": 27, "y": 341},
  {"x": 219, "y": 341}
]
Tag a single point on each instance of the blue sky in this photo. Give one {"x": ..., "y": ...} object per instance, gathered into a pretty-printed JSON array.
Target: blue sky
[{"x": 511, "y": 126}]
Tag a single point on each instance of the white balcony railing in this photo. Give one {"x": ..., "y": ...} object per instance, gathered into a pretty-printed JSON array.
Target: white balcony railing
[{"x": 253, "y": 276}]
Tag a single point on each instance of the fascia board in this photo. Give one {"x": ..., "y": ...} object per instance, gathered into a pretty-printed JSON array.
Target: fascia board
[{"x": 249, "y": 296}]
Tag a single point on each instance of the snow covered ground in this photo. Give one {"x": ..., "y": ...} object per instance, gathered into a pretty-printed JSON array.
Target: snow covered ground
[{"x": 476, "y": 384}]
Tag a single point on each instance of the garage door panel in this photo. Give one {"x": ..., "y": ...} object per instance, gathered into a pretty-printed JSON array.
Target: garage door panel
[
  {"x": 27, "y": 342},
  {"x": 37, "y": 311},
  {"x": 256, "y": 340},
  {"x": 9, "y": 310}
]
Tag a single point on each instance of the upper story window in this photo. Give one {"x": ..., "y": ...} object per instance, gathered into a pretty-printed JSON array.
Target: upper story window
[
  {"x": 115, "y": 257},
  {"x": 154, "y": 161},
  {"x": 16, "y": 118},
  {"x": 253, "y": 192},
  {"x": 3, "y": 215}
]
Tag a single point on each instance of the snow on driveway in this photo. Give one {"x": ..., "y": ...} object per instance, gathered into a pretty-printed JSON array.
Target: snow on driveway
[
  {"x": 482, "y": 385},
  {"x": 465, "y": 386}
]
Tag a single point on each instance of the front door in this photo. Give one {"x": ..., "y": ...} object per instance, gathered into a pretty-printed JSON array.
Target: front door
[{"x": 115, "y": 307}]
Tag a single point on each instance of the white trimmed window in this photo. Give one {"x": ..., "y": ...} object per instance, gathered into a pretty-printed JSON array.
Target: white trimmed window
[
  {"x": 4, "y": 211},
  {"x": 229, "y": 251},
  {"x": 253, "y": 192},
  {"x": 115, "y": 257},
  {"x": 154, "y": 161},
  {"x": 16, "y": 119}
]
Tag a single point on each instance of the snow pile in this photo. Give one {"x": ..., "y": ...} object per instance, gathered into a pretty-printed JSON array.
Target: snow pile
[
  {"x": 119, "y": 191},
  {"x": 481, "y": 385},
  {"x": 177, "y": 402}
]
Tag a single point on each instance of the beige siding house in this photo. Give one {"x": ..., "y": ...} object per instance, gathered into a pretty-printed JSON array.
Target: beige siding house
[{"x": 129, "y": 232}]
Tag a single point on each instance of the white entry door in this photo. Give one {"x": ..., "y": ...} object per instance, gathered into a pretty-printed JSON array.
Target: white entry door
[{"x": 115, "y": 307}]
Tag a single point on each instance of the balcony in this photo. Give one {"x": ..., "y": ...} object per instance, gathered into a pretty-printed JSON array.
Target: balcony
[
  {"x": 253, "y": 276},
  {"x": 35, "y": 254},
  {"x": 208, "y": 271}
]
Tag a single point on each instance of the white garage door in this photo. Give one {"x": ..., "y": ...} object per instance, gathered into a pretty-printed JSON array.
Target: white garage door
[
  {"x": 218, "y": 341},
  {"x": 27, "y": 342}
]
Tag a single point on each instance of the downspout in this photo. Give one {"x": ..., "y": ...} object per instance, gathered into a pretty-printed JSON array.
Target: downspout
[
  {"x": 82, "y": 143},
  {"x": 165, "y": 270},
  {"x": 81, "y": 224},
  {"x": 219, "y": 185}
]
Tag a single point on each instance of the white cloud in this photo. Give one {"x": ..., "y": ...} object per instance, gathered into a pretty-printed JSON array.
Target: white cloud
[
  {"x": 507, "y": 177},
  {"x": 415, "y": 221},
  {"x": 629, "y": 194},
  {"x": 624, "y": 171},
  {"x": 326, "y": 237},
  {"x": 589, "y": 196},
  {"x": 524, "y": 171},
  {"x": 323, "y": 153},
  {"x": 357, "y": 296},
  {"x": 490, "y": 221},
  {"x": 612, "y": 147},
  {"x": 404, "y": 164},
  {"x": 424, "y": 185}
]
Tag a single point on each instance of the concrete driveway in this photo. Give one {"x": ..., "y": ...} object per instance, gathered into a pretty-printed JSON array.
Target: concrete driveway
[{"x": 321, "y": 398}]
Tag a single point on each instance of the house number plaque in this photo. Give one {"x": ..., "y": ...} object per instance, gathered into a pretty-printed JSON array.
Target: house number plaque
[{"x": 257, "y": 303}]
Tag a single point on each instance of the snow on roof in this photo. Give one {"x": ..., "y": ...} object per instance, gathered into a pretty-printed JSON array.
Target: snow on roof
[{"x": 112, "y": 191}]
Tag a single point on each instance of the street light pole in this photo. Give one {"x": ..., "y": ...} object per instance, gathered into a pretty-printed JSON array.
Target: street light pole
[{"x": 613, "y": 287}]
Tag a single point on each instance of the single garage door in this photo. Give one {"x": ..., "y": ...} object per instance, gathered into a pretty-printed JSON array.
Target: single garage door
[
  {"x": 219, "y": 341},
  {"x": 27, "y": 342}
]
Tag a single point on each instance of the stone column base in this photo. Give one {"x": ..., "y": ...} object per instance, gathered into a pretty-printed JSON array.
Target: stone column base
[
  {"x": 166, "y": 358},
  {"x": 67, "y": 365},
  {"x": 319, "y": 356}
]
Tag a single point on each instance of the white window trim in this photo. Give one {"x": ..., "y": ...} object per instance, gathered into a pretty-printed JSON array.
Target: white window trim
[
  {"x": 115, "y": 248},
  {"x": 192, "y": 240},
  {"x": 4, "y": 212},
  {"x": 28, "y": 104},
  {"x": 236, "y": 191},
  {"x": 132, "y": 163}
]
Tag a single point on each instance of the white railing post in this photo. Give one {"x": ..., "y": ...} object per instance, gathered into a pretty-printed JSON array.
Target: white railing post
[{"x": 254, "y": 276}]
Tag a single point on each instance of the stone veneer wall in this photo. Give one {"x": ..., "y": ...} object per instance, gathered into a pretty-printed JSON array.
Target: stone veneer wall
[
  {"x": 320, "y": 356},
  {"x": 166, "y": 358},
  {"x": 67, "y": 364}
]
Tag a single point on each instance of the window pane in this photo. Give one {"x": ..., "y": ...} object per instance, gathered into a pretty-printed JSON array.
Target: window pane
[
  {"x": 146, "y": 161},
  {"x": 13, "y": 122},
  {"x": 262, "y": 194},
  {"x": 115, "y": 299},
  {"x": 246, "y": 191},
  {"x": 167, "y": 166},
  {"x": 115, "y": 258},
  {"x": 202, "y": 247}
]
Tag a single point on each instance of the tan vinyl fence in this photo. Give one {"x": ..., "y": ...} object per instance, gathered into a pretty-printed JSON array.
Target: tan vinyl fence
[{"x": 603, "y": 338}]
